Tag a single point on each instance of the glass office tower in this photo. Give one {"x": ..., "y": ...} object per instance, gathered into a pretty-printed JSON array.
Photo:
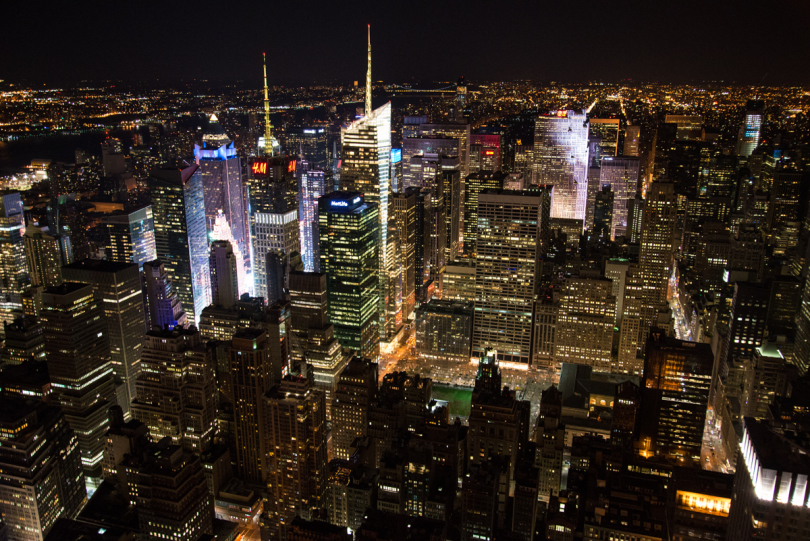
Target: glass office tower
[
  {"x": 349, "y": 233},
  {"x": 181, "y": 239},
  {"x": 130, "y": 237},
  {"x": 366, "y": 169}
]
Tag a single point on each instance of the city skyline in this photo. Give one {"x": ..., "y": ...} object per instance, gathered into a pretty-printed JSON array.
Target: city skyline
[{"x": 479, "y": 312}]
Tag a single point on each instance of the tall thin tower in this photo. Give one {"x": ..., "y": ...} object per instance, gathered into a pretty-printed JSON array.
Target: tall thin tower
[
  {"x": 368, "y": 78},
  {"x": 268, "y": 128}
]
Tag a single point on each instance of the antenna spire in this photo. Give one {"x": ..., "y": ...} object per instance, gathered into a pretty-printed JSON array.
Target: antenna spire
[
  {"x": 268, "y": 128},
  {"x": 368, "y": 75}
]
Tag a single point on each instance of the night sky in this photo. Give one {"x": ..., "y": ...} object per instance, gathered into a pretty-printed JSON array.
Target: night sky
[{"x": 59, "y": 42}]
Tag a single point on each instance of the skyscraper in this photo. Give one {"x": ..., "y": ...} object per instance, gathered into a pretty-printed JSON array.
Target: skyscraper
[
  {"x": 585, "y": 322},
  {"x": 316, "y": 342},
  {"x": 13, "y": 267},
  {"x": 250, "y": 375},
  {"x": 118, "y": 285},
  {"x": 405, "y": 212},
  {"x": 130, "y": 236},
  {"x": 657, "y": 242},
  {"x": 221, "y": 171},
  {"x": 42, "y": 251},
  {"x": 770, "y": 500},
  {"x": 748, "y": 137},
  {"x": 473, "y": 186},
  {"x": 295, "y": 417},
  {"x": 172, "y": 494},
  {"x": 78, "y": 355},
  {"x": 356, "y": 391},
  {"x": 622, "y": 175},
  {"x": 311, "y": 187},
  {"x": 366, "y": 168},
  {"x": 561, "y": 160},
  {"x": 181, "y": 239},
  {"x": 349, "y": 240},
  {"x": 631, "y": 140},
  {"x": 42, "y": 472},
  {"x": 675, "y": 396},
  {"x": 604, "y": 134},
  {"x": 224, "y": 286},
  {"x": 506, "y": 270},
  {"x": 162, "y": 303},
  {"x": 176, "y": 389},
  {"x": 485, "y": 152}
]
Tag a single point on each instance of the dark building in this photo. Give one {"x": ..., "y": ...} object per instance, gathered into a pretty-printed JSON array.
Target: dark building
[
  {"x": 699, "y": 504},
  {"x": 675, "y": 396},
  {"x": 356, "y": 391},
  {"x": 172, "y": 496},
  {"x": 42, "y": 477}
]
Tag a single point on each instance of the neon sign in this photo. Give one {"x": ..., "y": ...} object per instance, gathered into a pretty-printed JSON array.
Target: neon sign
[
  {"x": 291, "y": 166},
  {"x": 259, "y": 168},
  {"x": 490, "y": 152},
  {"x": 344, "y": 203}
]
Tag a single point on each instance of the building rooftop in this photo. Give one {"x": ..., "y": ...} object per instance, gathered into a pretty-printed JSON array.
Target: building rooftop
[
  {"x": 100, "y": 265},
  {"x": 775, "y": 451}
]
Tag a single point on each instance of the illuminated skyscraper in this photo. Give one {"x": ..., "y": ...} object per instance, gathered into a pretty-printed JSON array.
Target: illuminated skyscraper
[
  {"x": 366, "y": 155},
  {"x": 13, "y": 265},
  {"x": 221, "y": 171},
  {"x": 275, "y": 228},
  {"x": 561, "y": 160},
  {"x": 366, "y": 169},
  {"x": 405, "y": 212},
  {"x": 118, "y": 286},
  {"x": 657, "y": 241},
  {"x": 181, "y": 239},
  {"x": 421, "y": 156},
  {"x": 770, "y": 499},
  {"x": 585, "y": 322},
  {"x": 506, "y": 270},
  {"x": 311, "y": 187},
  {"x": 473, "y": 186},
  {"x": 78, "y": 355},
  {"x": 130, "y": 237},
  {"x": 176, "y": 389},
  {"x": 748, "y": 137},
  {"x": 312, "y": 142},
  {"x": 163, "y": 305},
  {"x": 604, "y": 134},
  {"x": 621, "y": 174},
  {"x": 349, "y": 240},
  {"x": 42, "y": 251},
  {"x": 485, "y": 152},
  {"x": 276, "y": 239}
]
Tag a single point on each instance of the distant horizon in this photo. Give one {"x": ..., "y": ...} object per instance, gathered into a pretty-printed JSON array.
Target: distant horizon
[{"x": 245, "y": 84}]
